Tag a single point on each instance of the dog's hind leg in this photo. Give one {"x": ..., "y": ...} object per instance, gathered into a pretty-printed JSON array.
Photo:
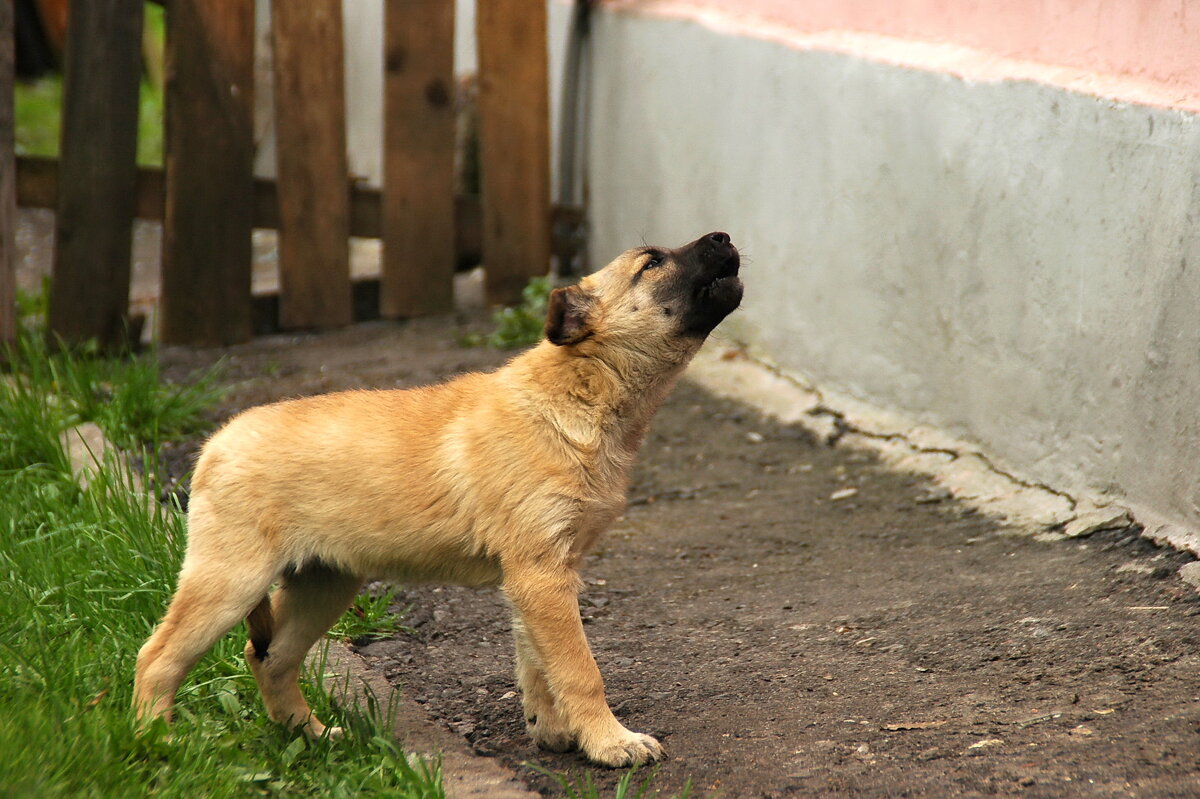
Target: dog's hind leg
[
  {"x": 304, "y": 607},
  {"x": 545, "y": 723},
  {"x": 209, "y": 601}
]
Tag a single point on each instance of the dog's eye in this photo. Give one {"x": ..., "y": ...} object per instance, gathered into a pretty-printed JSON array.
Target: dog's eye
[{"x": 654, "y": 259}]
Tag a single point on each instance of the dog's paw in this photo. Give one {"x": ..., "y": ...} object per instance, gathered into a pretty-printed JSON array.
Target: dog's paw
[
  {"x": 627, "y": 749},
  {"x": 549, "y": 737},
  {"x": 314, "y": 729}
]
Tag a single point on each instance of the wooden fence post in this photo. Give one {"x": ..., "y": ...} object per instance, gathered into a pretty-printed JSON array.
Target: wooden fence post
[
  {"x": 8, "y": 183},
  {"x": 314, "y": 186},
  {"x": 89, "y": 297},
  {"x": 418, "y": 163},
  {"x": 514, "y": 119},
  {"x": 209, "y": 203}
]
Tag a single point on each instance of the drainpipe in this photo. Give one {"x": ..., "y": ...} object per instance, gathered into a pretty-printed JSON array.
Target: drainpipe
[{"x": 570, "y": 223}]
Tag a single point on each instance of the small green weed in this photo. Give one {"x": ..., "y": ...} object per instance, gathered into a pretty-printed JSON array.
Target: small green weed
[
  {"x": 32, "y": 306},
  {"x": 369, "y": 618},
  {"x": 576, "y": 786},
  {"x": 519, "y": 325}
]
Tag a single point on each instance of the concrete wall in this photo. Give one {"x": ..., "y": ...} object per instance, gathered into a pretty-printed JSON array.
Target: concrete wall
[{"x": 1012, "y": 260}]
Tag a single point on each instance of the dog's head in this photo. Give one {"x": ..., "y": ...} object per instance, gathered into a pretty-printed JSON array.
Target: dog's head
[{"x": 652, "y": 299}]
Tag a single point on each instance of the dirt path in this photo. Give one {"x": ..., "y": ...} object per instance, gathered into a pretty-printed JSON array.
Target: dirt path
[{"x": 783, "y": 642}]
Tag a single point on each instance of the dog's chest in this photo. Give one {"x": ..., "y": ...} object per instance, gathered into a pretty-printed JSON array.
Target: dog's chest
[{"x": 595, "y": 518}]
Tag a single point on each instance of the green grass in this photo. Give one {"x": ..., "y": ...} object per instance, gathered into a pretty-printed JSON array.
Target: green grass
[
  {"x": 370, "y": 618},
  {"x": 126, "y": 397},
  {"x": 519, "y": 325},
  {"x": 87, "y": 571},
  {"x": 38, "y": 112},
  {"x": 38, "y": 109}
]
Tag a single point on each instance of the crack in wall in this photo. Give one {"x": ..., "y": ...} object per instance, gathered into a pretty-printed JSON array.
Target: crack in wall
[
  {"x": 958, "y": 466},
  {"x": 843, "y": 426}
]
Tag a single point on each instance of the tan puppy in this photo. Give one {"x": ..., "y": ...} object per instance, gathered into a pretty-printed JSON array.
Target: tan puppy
[{"x": 501, "y": 478}]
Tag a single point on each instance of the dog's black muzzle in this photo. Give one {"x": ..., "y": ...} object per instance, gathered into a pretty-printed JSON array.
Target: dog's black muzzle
[{"x": 709, "y": 282}]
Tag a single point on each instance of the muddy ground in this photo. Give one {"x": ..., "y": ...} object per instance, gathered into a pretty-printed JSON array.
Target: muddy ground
[{"x": 783, "y": 642}]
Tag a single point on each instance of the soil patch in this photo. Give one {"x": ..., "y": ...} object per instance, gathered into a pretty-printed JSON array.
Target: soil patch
[{"x": 794, "y": 619}]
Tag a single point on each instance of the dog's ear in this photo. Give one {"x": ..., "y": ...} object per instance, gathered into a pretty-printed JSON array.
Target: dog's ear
[{"x": 567, "y": 316}]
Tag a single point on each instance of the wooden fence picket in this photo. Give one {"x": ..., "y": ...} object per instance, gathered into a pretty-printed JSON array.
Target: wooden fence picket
[
  {"x": 514, "y": 118},
  {"x": 314, "y": 189},
  {"x": 418, "y": 184},
  {"x": 209, "y": 192},
  {"x": 89, "y": 297}
]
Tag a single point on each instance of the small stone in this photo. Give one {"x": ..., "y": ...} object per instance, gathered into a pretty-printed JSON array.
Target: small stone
[
  {"x": 1190, "y": 573},
  {"x": 755, "y": 438},
  {"x": 1111, "y": 517},
  {"x": 1135, "y": 567},
  {"x": 87, "y": 448},
  {"x": 844, "y": 493},
  {"x": 935, "y": 496}
]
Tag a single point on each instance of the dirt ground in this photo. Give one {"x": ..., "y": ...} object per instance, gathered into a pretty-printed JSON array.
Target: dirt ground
[{"x": 784, "y": 642}]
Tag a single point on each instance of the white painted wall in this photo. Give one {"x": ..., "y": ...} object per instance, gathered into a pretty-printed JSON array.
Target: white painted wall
[{"x": 1010, "y": 261}]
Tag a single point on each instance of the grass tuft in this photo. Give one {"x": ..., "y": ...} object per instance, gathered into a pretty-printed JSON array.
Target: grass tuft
[{"x": 370, "y": 618}]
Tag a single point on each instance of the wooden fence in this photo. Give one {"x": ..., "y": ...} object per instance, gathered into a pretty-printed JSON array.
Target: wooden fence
[{"x": 209, "y": 200}]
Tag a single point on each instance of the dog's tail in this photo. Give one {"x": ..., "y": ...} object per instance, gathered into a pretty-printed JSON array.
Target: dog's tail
[{"x": 262, "y": 627}]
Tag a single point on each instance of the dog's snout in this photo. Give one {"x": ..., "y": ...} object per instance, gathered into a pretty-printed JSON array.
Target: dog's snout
[{"x": 712, "y": 251}]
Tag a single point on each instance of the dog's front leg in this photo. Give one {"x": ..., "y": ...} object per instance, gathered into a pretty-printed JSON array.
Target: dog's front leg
[
  {"x": 546, "y": 597},
  {"x": 544, "y": 722}
]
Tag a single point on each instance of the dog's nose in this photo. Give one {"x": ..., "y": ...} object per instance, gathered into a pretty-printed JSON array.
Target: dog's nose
[{"x": 718, "y": 238}]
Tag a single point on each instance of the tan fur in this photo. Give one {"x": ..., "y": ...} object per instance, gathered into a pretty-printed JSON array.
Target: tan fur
[{"x": 502, "y": 478}]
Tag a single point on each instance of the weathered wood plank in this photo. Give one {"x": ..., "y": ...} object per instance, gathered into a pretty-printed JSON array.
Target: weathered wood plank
[
  {"x": 89, "y": 296},
  {"x": 418, "y": 158},
  {"x": 514, "y": 121},
  {"x": 208, "y": 197},
  {"x": 8, "y": 184},
  {"x": 310, "y": 132}
]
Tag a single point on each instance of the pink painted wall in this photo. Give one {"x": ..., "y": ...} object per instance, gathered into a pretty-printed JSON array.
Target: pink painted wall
[{"x": 1142, "y": 50}]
